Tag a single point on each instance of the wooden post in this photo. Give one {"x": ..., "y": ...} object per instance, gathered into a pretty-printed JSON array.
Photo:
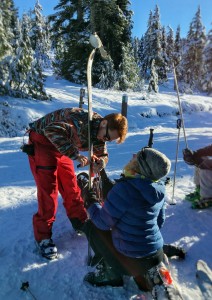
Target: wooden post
[
  {"x": 124, "y": 105},
  {"x": 82, "y": 94}
]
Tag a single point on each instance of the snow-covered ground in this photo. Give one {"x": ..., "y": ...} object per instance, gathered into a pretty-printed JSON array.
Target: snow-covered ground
[{"x": 63, "y": 278}]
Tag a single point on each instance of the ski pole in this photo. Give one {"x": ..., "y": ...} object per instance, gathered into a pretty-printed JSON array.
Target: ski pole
[
  {"x": 179, "y": 103},
  {"x": 150, "y": 142},
  {"x": 179, "y": 122}
]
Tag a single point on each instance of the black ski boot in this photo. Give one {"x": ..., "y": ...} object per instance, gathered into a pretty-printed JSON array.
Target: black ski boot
[
  {"x": 77, "y": 225},
  {"x": 103, "y": 275},
  {"x": 82, "y": 180},
  {"x": 171, "y": 250}
]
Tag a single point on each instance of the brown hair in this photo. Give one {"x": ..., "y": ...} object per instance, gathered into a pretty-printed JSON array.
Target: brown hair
[{"x": 118, "y": 122}]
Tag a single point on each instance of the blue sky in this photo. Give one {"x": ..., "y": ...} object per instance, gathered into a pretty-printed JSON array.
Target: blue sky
[{"x": 172, "y": 12}]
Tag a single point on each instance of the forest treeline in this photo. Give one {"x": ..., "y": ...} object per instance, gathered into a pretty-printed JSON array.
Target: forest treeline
[{"x": 31, "y": 43}]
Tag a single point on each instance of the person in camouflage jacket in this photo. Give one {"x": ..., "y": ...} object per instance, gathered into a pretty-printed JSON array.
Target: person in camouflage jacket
[{"x": 57, "y": 139}]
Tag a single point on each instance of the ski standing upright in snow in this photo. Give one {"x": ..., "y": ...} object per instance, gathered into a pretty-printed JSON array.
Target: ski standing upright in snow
[{"x": 97, "y": 44}]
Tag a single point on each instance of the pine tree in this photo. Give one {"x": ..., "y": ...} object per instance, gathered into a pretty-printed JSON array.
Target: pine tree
[
  {"x": 128, "y": 70},
  {"x": 177, "y": 53},
  {"x": 6, "y": 43},
  {"x": 20, "y": 67},
  {"x": 26, "y": 80},
  {"x": 164, "y": 55},
  {"x": 5, "y": 46},
  {"x": 112, "y": 21},
  {"x": 170, "y": 47},
  {"x": 77, "y": 20},
  {"x": 59, "y": 50},
  {"x": 145, "y": 60},
  {"x": 107, "y": 75},
  {"x": 7, "y": 15},
  {"x": 207, "y": 62},
  {"x": 153, "y": 47},
  {"x": 192, "y": 64},
  {"x": 153, "y": 81},
  {"x": 40, "y": 36},
  {"x": 72, "y": 18},
  {"x": 136, "y": 49},
  {"x": 140, "y": 53}
]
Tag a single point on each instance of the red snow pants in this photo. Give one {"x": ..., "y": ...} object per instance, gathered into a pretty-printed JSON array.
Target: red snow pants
[{"x": 53, "y": 173}]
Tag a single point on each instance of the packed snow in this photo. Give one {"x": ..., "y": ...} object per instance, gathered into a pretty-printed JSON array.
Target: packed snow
[{"x": 63, "y": 278}]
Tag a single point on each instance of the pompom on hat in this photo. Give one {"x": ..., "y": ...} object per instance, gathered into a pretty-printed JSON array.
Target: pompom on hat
[{"x": 152, "y": 163}]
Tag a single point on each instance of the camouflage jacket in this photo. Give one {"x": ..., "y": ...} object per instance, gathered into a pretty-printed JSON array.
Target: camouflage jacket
[{"x": 67, "y": 130}]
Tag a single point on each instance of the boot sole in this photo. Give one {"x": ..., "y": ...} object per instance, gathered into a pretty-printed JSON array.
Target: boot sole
[{"x": 119, "y": 283}]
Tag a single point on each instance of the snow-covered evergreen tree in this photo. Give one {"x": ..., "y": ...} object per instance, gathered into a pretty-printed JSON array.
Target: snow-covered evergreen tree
[
  {"x": 136, "y": 49},
  {"x": 108, "y": 75},
  {"x": 164, "y": 54},
  {"x": 6, "y": 30},
  {"x": 112, "y": 21},
  {"x": 20, "y": 75},
  {"x": 6, "y": 43},
  {"x": 26, "y": 74},
  {"x": 207, "y": 62},
  {"x": 128, "y": 70},
  {"x": 177, "y": 53},
  {"x": 153, "y": 47},
  {"x": 170, "y": 47},
  {"x": 70, "y": 24},
  {"x": 77, "y": 20},
  {"x": 20, "y": 64},
  {"x": 59, "y": 49},
  {"x": 145, "y": 61},
  {"x": 26, "y": 79},
  {"x": 40, "y": 38},
  {"x": 140, "y": 54},
  {"x": 192, "y": 63},
  {"x": 153, "y": 80},
  {"x": 5, "y": 46}
]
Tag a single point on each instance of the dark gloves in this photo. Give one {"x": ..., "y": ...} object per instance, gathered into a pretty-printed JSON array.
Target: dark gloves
[
  {"x": 191, "y": 158},
  {"x": 107, "y": 183},
  {"x": 188, "y": 156},
  {"x": 89, "y": 198},
  {"x": 171, "y": 250}
]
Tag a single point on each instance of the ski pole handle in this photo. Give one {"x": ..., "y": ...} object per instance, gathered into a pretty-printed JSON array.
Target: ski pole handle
[
  {"x": 179, "y": 123},
  {"x": 150, "y": 142}
]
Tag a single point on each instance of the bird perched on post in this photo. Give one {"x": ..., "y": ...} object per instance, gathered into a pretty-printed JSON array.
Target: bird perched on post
[{"x": 97, "y": 43}]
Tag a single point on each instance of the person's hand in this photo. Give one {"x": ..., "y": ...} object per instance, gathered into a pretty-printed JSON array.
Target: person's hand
[
  {"x": 191, "y": 158},
  {"x": 188, "y": 156},
  {"x": 89, "y": 198},
  {"x": 97, "y": 164},
  {"x": 83, "y": 160}
]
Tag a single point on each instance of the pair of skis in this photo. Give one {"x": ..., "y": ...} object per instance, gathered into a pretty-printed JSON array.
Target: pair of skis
[{"x": 97, "y": 44}]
